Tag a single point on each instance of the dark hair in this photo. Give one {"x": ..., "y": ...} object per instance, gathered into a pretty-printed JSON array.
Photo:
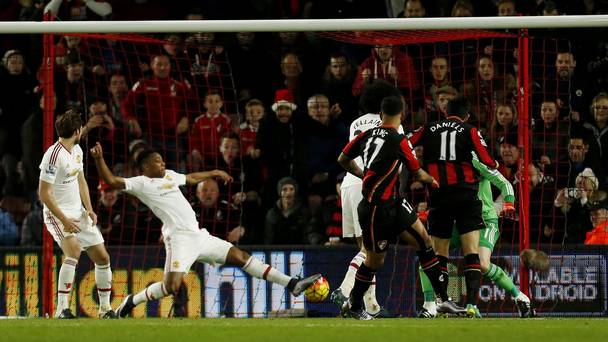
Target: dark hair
[
  {"x": 392, "y": 106},
  {"x": 213, "y": 91},
  {"x": 68, "y": 123},
  {"x": 143, "y": 156},
  {"x": 458, "y": 107},
  {"x": 373, "y": 93},
  {"x": 339, "y": 54}
]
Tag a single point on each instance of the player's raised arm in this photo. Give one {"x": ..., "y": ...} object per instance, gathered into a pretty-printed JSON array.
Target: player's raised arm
[
  {"x": 104, "y": 172},
  {"x": 197, "y": 177}
]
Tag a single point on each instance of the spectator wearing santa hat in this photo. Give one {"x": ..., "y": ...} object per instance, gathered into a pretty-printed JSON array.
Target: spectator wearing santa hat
[{"x": 280, "y": 141}]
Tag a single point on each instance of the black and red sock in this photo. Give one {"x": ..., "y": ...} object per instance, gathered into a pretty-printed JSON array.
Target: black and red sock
[{"x": 472, "y": 277}]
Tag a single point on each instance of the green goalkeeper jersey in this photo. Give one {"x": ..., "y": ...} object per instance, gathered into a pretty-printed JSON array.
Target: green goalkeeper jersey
[{"x": 485, "y": 190}]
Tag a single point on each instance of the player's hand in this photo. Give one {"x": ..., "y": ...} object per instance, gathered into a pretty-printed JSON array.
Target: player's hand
[
  {"x": 435, "y": 184},
  {"x": 97, "y": 151},
  {"x": 508, "y": 210},
  {"x": 93, "y": 216},
  {"x": 70, "y": 226},
  {"x": 224, "y": 176}
]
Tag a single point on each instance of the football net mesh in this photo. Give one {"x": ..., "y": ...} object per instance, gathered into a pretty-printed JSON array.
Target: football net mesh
[{"x": 134, "y": 92}]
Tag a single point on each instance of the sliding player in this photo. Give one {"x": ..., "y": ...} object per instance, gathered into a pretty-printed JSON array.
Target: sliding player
[{"x": 184, "y": 242}]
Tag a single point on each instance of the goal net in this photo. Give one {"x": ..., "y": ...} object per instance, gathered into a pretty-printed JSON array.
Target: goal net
[{"x": 211, "y": 101}]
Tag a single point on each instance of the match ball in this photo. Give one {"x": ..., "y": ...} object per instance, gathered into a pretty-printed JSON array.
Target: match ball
[{"x": 318, "y": 291}]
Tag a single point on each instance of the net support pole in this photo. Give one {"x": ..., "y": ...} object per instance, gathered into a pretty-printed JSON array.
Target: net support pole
[
  {"x": 47, "y": 140},
  {"x": 524, "y": 144}
]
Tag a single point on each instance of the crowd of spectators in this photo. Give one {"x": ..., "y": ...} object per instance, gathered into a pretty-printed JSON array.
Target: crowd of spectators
[{"x": 273, "y": 110}]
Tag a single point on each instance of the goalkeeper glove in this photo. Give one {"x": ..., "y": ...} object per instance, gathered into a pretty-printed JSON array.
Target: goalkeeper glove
[{"x": 508, "y": 210}]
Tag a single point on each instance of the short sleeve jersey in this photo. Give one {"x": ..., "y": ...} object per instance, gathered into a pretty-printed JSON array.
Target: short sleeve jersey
[
  {"x": 383, "y": 150},
  {"x": 61, "y": 168},
  {"x": 165, "y": 199},
  {"x": 358, "y": 126}
]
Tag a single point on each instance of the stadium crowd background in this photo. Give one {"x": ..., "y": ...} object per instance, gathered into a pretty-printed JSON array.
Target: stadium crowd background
[{"x": 274, "y": 110}]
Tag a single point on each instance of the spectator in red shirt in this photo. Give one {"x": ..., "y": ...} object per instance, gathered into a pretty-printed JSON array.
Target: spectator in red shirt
[
  {"x": 387, "y": 63},
  {"x": 157, "y": 109},
  {"x": 207, "y": 131},
  {"x": 599, "y": 218},
  {"x": 248, "y": 130}
]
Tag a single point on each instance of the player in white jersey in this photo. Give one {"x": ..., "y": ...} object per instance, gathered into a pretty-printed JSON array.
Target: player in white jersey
[
  {"x": 370, "y": 101},
  {"x": 184, "y": 242},
  {"x": 63, "y": 191}
]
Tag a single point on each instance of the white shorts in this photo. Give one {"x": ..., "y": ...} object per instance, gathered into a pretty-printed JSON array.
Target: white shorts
[
  {"x": 351, "y": 196},
  {"x": 183, "y": 248},
  {"x": 88, "y": 236}
]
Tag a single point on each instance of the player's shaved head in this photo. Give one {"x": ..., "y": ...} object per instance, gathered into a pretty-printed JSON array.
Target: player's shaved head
[
  {"x": 373, "y": 94},
  {"x": 392, "y": 106}
]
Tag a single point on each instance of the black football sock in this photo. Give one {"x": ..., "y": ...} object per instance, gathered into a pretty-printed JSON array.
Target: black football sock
[
  {"x": 431, "y": 266},
  {"x": 363, "y": 280},
  {"x": 443, "y": 268},
  {"x": 472, "y": 277}
]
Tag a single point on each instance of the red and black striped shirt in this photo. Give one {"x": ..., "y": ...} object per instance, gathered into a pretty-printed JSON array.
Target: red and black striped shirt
[
  {"x": 383, "y": 150},
  {"x": 448, "y": 146}
]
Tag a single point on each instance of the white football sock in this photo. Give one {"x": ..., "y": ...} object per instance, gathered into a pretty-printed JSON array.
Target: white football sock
[
  {"x": 103, "y": 280},
  {"x": 431, "y": 307},
  {"x": 152, "y": 292},
  {"x": 349, "y": 278},
  {"x": 260, "y": 270},
  {"x": 369, "y": 298},
  {"x": 65, "y": 282}
]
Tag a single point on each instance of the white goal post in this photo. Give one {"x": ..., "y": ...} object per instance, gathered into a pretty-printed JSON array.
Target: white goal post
[{"x": 442, "y": 23}]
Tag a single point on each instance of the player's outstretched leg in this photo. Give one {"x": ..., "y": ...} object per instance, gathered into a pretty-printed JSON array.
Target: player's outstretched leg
[
  {"x": 258, "y": 269},
  {"x": 154, "y": 291},
  {"x": 499, "y": 277}
]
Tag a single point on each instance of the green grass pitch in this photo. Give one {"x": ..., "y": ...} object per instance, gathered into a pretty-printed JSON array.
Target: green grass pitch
[{"x": 311, "y": 329}]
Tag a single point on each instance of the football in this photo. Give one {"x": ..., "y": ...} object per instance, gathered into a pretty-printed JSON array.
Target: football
[{"x": 318, "y": 291}]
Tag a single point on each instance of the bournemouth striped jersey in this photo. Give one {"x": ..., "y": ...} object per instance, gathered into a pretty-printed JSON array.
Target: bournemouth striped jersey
[
  {"x": 448, "y": 145},
  {"x": 382, "y": 150}
]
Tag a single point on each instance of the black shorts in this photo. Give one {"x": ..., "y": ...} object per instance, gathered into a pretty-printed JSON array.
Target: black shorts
[
  {"x": 381, "y": 224},
  {"x": 449, "y": 209}
]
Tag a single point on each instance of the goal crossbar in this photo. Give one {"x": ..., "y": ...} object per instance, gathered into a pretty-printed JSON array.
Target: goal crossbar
[{"x": 387, "y": 24}]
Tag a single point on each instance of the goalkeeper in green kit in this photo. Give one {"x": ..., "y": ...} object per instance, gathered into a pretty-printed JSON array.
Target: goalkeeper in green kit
[{"x": 487, "y": 238}]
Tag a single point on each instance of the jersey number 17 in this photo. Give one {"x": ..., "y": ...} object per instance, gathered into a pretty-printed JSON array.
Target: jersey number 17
[{"x": 377, "y": 145}]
